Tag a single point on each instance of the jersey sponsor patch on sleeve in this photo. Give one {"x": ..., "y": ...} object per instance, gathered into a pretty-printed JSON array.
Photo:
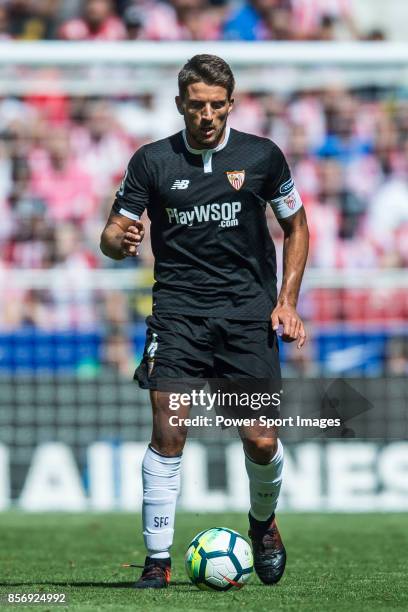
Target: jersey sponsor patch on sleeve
[
  {"x": 133, "y": 195},
  {"x": 287, "y": 186},
  {"x": 121, "y": 190},
  {"x": 287, "y": 205}
]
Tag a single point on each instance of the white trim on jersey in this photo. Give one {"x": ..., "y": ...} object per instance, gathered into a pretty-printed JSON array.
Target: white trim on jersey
[
  {"x": 128, "y": 214},
  {"x": 207, "y": 154},
  {"x": 287, "y": 205}
]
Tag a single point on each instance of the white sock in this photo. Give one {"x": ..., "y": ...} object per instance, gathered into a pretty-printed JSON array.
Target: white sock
[
  {"x": 264, "y": 484},
  {"x": 161, "y": 485}
]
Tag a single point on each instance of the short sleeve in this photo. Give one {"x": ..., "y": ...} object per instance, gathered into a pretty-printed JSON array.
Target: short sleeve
[
  {"x": 280, "y": 190},
  {"x": 133, "y": 195}
]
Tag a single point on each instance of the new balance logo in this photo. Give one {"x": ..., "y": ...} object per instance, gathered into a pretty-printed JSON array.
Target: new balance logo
[{"x": 180, "y": 184}]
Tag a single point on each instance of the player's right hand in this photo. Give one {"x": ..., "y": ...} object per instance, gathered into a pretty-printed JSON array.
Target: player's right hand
[{"x": 132, "y": 239}]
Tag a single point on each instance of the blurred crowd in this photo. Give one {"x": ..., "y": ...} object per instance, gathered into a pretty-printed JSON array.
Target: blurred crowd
[
  {"x": 62, "y": 159},
  {"x": 171, "y": 20}
]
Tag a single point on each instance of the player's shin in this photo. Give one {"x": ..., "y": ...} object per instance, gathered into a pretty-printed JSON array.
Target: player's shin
[
  {"x": 264, "y": 484},
  {"x": 161, "y": 485}
]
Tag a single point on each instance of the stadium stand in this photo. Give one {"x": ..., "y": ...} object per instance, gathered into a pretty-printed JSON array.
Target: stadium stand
[
  {"x": 174, "y": 20},
  {"x": 72, "y": 321}
]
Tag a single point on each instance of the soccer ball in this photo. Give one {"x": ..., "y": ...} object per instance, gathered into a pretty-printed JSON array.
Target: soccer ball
[{"x": 219, "y": 559}]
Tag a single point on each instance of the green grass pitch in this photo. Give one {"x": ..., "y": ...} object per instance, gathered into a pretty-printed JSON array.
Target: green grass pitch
[{"x": 335, "y": 562}]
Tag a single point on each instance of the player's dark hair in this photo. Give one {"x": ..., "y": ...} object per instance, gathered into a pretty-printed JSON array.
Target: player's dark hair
[{"x": 209, "y": 69}]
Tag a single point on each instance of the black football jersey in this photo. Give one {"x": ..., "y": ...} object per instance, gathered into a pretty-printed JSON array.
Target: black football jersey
[{"x": 214, "y": 256}]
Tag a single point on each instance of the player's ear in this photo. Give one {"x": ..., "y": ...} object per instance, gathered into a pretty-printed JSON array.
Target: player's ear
[
  {"x": 231, "y": 105},
  {"x": 179, "y": 105}
]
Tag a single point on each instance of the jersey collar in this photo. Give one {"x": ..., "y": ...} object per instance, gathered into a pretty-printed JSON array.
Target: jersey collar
[{"x": 207, "y": 151}]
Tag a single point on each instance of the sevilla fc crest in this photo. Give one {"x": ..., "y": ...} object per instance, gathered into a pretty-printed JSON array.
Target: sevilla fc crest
[
  {"x": 236, "y": 178},
  {"x": 290, "y": 201}
]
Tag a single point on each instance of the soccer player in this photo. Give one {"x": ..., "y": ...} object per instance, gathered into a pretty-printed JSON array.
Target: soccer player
[{"x": 215, "y": 304}]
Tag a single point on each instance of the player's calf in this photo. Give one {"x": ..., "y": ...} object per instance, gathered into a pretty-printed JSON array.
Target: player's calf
[{"x": 265, "y": 481}]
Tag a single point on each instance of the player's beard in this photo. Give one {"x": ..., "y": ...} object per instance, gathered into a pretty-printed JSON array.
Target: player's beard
[{"x": 207, "y": 142}]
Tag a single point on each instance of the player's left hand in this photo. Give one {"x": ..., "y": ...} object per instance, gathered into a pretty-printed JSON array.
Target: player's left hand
[{"x": 293, "y": 328}]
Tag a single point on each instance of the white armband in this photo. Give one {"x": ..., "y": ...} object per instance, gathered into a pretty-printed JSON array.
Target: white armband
[{"x": 286, "y": 206}]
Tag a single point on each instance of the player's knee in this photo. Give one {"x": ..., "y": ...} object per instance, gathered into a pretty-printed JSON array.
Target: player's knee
[{"x": 261, "y": 450}]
